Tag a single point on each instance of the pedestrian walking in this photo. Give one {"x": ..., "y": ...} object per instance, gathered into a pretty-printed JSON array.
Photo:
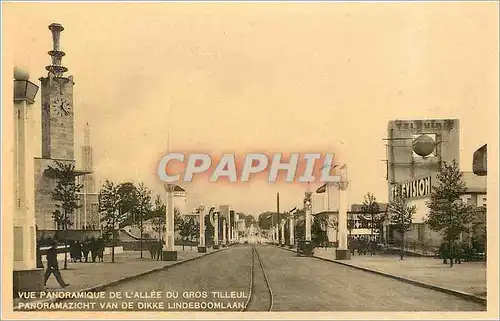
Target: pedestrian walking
[
  {"x": 100, "y": 249},
  {"x": 93, "y": 249},
  {"x": 72, "y": 251},
  {"x": 78, "y": 251},
  {"x": 53, "y": 266}
]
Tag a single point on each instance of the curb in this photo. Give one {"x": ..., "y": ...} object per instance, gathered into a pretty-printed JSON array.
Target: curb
[
  {"x": 128, "y": 278},
  {"x": 463, "y": 295}
]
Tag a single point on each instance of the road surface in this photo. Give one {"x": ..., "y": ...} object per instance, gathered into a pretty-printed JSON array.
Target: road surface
[{"x": 298, "y": 284}]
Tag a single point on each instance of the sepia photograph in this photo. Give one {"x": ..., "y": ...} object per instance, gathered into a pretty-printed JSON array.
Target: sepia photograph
[{"x": 236, "y": 160}]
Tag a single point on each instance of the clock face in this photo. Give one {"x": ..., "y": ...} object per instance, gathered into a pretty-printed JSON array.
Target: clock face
[{"x": 61, "y": 107}]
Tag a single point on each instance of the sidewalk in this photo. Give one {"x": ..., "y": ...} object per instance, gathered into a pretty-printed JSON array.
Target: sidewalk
[
  {"x": 89, "y": 276},
  {"x": 468, "y": 277}
]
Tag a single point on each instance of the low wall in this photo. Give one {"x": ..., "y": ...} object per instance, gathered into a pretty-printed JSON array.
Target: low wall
[
  {"x": 136, "y": 245},
  {"x": 146, "y": 244},
  {"x": 70, "y": 235}
]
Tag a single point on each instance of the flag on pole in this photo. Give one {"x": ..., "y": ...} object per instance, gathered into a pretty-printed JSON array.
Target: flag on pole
[{"x": 322, "y": 189}]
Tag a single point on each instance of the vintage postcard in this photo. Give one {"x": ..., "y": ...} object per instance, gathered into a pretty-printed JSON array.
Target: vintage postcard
[{"x": 250, "y": 160}]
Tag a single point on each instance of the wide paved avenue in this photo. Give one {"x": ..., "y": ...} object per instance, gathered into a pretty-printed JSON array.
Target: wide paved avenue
[{"x": 298, "y": 284}]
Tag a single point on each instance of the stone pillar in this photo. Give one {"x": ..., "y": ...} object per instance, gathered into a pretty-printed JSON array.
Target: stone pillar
[
  {"x": 237, "y": 227},
  {"x": 201, "y": 246},
  {"x": 283, "y": 232},
  {"x": 224, "y": 228},
  {"x": 292, "y": 232},
  {"x": 26, "y": 275},
  {"x": 342, "y": 252},
  {"x": 308, "y": 223},
  {"x": 169, "y": 252}
]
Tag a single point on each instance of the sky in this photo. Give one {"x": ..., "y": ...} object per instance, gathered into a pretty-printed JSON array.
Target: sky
[{"x": 262, "y": 77}]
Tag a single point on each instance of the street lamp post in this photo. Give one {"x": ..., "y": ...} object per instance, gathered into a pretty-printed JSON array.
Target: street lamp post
[{"x": 169, "y": 252}]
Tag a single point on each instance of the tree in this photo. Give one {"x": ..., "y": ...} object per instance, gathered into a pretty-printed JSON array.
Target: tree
[
  {"x": 128, "y": 201},
  {"x": 184, "y": 230},
  {"x": 111, "y": 206},
  {"x": 209, "y": 230},
  {"x": 479, "y": 230},
  {"x": 159, "y": 210},
  {"x": 65, "y": 193},
  {"x": 194, "y": 230},
  {"x": 178, "y": 219},
  {"x": 448, "y": 214},
  {"x": 142, "y": 207},
  {"x": 249, "y": 220},
  {"x": 371, "y": 207},
  {"x": 300, "y": 230},
  {"x": 319, "y": 230},
  {"x": 401, "y": 217},
  {"x": 266, "y": 220}
]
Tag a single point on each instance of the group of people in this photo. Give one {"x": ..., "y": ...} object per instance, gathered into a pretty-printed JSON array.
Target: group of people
[
  {"x": 156, "y": 250},
  {"x": 80, "y": 251},
  {"x": 362, "y": 245}
]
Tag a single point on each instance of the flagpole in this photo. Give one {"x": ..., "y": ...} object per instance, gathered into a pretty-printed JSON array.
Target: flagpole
[{"x": 169, "y": 253}]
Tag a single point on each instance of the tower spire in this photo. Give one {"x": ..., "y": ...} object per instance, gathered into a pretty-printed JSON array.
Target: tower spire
[
  {"x": 56, "y": 68},
  {"x": 87, "y": 149},
  {"x": 169, "y": 128},
  {"x": 87, "y": 134}
]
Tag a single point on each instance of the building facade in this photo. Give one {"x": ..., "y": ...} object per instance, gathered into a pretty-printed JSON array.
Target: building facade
[
  {"x": 180, "y": 200},
  {"x": 416, "y": 150}
]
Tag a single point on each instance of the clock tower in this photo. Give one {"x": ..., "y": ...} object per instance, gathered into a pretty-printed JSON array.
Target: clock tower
[
  {"x": 58, "y": 123},
  {"x": 57, "y": 105}
]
